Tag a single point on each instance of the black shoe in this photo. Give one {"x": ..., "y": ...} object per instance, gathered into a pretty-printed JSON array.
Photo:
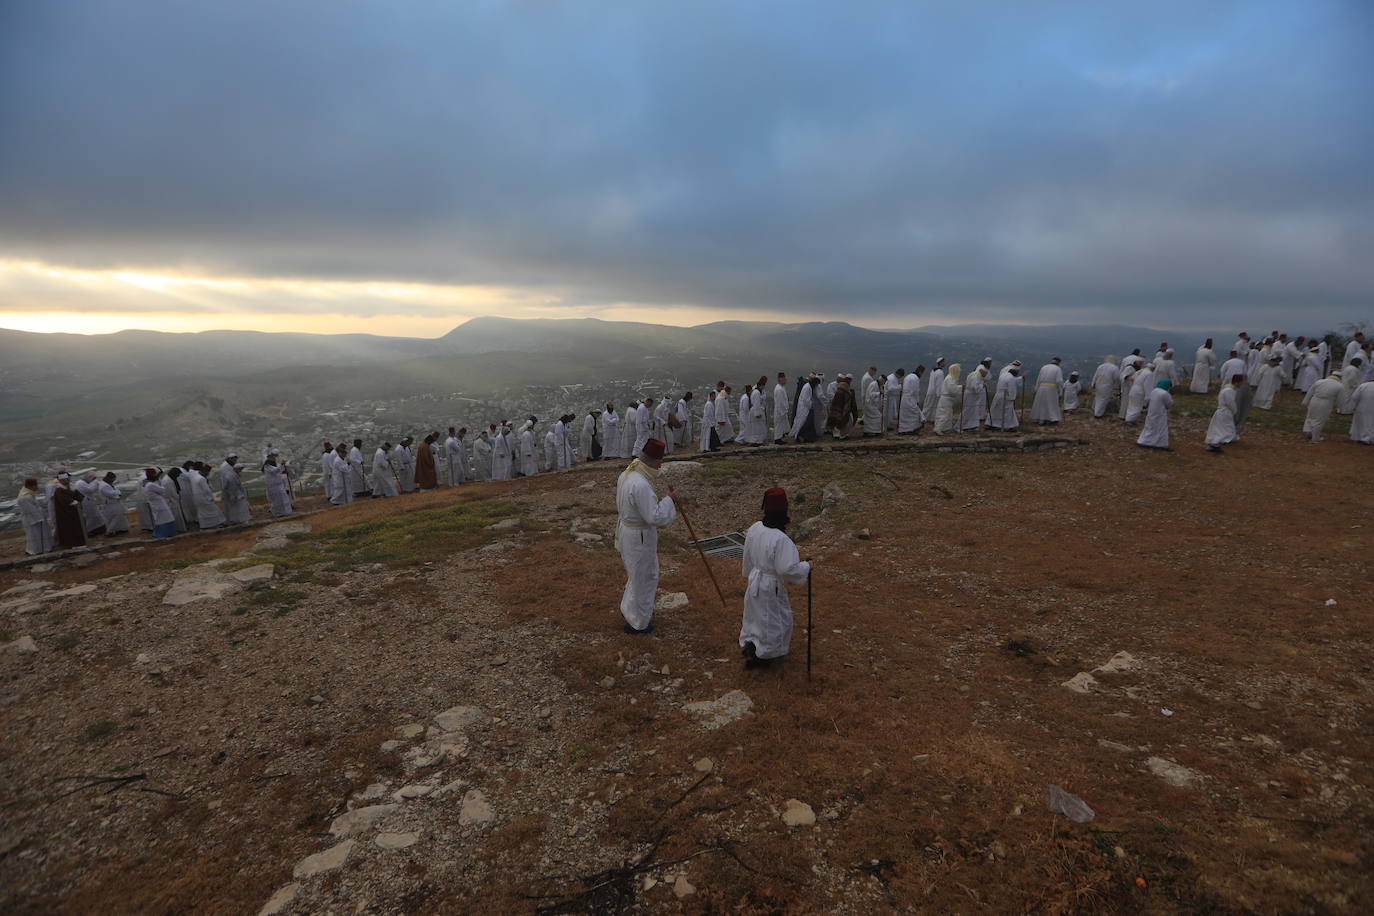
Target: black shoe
[{"x": 632, "y": 630}]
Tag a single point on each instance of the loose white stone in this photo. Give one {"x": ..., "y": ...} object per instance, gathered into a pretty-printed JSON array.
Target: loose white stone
[
  {"x": 396, "y": 840},
  {"x": 798, "y": 814},
  {"x": 1082, "y": 682},
  {"x": 278, "y": 901},
  {"x": 409, "y": 731},
  {"x": 475, "y": 808},
  {"x": 359, "y": 819},
  {"x": 73, "y": 592},
  {"x": 260, "y": 573},
  {"x": 24, "y": 587},
  {"x": 722, "y": 710},
  {"x": 415, "y": 790},
  {"x": 22, "y": 644},
  {"x": 330, "y": 859},
  {"x": 457, "y": 718},
  {"x": 676, "y": 468},
  {"x": 200, "y": 583},
  {"x": 683, "y": 888},
  {"x": 1172, "y": 773},
  {"x": 1118, "y": 663},
  {"x": 671, "y": 601},
  {"x": 505, "y": 524},
  {"x": 704, "y": 765}
]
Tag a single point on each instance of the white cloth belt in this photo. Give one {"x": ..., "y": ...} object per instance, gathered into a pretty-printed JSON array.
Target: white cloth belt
[
  {"x": 757, "y": 582},
  {"x": 637, "y": 526}
]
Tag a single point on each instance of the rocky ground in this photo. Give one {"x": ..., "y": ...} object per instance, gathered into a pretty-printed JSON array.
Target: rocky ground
[{"x": 1080, "y": 678}]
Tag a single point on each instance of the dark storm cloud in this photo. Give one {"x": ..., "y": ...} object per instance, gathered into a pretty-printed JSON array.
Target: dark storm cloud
[{"x": 1014, "y": 159}]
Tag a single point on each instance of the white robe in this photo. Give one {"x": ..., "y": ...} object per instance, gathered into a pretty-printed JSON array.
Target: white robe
[
  {"x": 207, "y": 510},
  {"x": 610, "y": 435},
  {"x": 327, "y": 474},
  {"x": 343, "y": 486},
  {"x": 933, "y": 393},
  {"x": 643, "y": 427},
  {"x": 455, "y": 455},
  {"x": 1071, "y": 390},
  {"x": 1222, "y": 429},
  {"x": 550, "y": 452},
  {"x": 37, "y": 532},
  {"x": 1141, "y": 387},
  {"x": 975, "y": 407},
  {"x": 1002, "y": 415},
  {"x": 892, "y": 400},
  {"x": 278, "y": 493},
  {"x": 588, "y": 437},
  {"x": 683, "y": 433},
  {"x": 659, "y": 428},
  {"x": 910, "y": 418},
  {"x": 1362, "y": 424},
  {"x": 566, "y": 458},
  {"x": 1310, "y": 369},
  {"x": 951, "y": 397},
  {"x": 1048, "y": 385},
  {"x": 1233, "y": 366},
  {"x": 1127, "y": 382},
  {"x": 234, "y": 496},
  {"x": 502, "y": 454},
  {"x": 1104, "y": 383},
  {"x": 116, "y": 513},
  {"x": 356, "y": 479},
  {"x": 403, "y": 460},
  {"x": 1203, "y": 363},
  {"x": 529, "y": 457},
  {"x": 627, "y": 431},
  {"x": 782, "y": 404},
  {"x": 1270, "y": 380},
  {"x": 770, "y": 562},
  {"x": 481, "y": 460},
  {"x": 1352, "y": 350},
  {"x": 708, "y": 423},
  {"x": 1350, "y": 380},
  {"x": 156, "y": 494},
  {"x": 725, "y": 425},
  {"x": 805, "y": 404},
  {"x": 744, "y": 408},
  {"x": 1156, "y": 430},
  {"x": 384, "y": 476},
  {"x": 642, "y": 513},
  {"x": 1320, "y": 401},
  {"x": 1166, "y": 368},
  {"x": 92, "y": 510}
]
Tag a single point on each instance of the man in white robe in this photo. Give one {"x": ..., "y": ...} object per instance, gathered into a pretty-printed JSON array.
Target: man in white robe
[
  {"x": 951, "y": 399},
  {"x": 117, "y": 514},
  {"x": 1362, "y": 423},
  {"x": 641, "y": 514},
  {"x": 627, "y": 428},
  {"x": 550, "y": 451},
  {"x": 403, "y": 460},
  {"x": 386, "y": 482},
  {"x": 232, "y": 492},
  {"x": 1204, "y": 361},
  {"x": 934, "y": 391},
  {"x": 610, "y": 432},
  {"x": 1049, "y": 387},
  {"x": 1155, "y": 432},
  {"x": 727, "y": 410},
  {"x": 910, "y": 417},
  {"x": 1139, "y": 397},
  {"x": 660, "y": 428},
  {"x": 782, "y": 406},
  {"x": 327, "y": 471},
  {"x": 643, "y": 425},
  {"x": 975, "y": 404},
  {"x": 92, "y": 510},
  {"x": 709, "y": 425},
  {"x": 1002, "y": 416},
  {"x": 37, "y": 532},
  {"x": 356, "y": 478},
  {"x": 590, "y": 441},
  {"x": 455, "y": 456},
  {"x": 683, "y": 412},
  {"x": 208, "y": 514},
  {"x": 892, "y": 398},
  {"x": 529, "y": 455},
  {"x": 566, "y": 456},
  {"x": 1245, "y": 394},
  {"x": 481, "y": 456},
  {"x": 1320, "y": 401},
  {"x": 1129, "y": 367},
  {"x": 1352, "y": 348},
  {"x": 1104, "y": 385},
  {"x": 276, "y": 474},
  {"x": 502, "y": 453},
  {"x": 770, "y": 563},
  {"x": 1167, "y": 368},
  {"x": 1270, "y": 381},
  {"x": 744, "y": 408},
  {"x": 1350, "y": 380}
]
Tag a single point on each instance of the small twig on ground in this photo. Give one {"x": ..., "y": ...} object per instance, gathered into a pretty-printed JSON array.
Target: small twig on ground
[{"x": 115, "y": 783}]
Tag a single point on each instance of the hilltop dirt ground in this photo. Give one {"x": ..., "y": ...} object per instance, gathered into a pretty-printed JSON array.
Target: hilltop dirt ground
[{"x": 176, "y": 759}]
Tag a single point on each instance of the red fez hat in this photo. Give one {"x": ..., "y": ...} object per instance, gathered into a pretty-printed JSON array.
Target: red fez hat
[
  {"x": 775, "y": 500},
  {"x": 653, "y": 449},
  {"x": 30, "y": 482}
]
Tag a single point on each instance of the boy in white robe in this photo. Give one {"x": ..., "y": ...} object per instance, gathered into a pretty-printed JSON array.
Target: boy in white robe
[
  {"x": 1155, "y": 432},
  {"x": 782, "y": 407},
  {"x": 1222, "y": 429},
  {"x": 1071, "y": 389},
  {"x": 641, "y": 513},
  {"x": 1204, "y": 361},
  {"x": 770, "y": 562}
]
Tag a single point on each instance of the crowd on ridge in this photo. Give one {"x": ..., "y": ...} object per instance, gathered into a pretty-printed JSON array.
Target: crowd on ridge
[{"x": 945, "y": 400}]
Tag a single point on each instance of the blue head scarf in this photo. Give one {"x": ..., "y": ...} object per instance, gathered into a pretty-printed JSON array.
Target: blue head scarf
[{"x": 1165, "y": 383}]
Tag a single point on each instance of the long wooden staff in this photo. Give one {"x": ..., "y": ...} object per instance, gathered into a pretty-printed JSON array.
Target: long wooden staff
[
  {"x": 710, "y": 572},
  {"x": 808, "y": 625}
]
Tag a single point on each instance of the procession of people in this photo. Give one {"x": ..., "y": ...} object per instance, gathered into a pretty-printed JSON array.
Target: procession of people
[{"x": 1133, "y": 390}]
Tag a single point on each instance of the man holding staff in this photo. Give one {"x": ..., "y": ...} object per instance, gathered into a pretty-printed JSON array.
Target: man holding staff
[{"x": 642, "y": 513}]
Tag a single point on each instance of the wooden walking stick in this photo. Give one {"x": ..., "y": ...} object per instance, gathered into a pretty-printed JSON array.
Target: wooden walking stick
[
  {"x": 808, "y": 624},
  {"x": 710, "y": 572}
]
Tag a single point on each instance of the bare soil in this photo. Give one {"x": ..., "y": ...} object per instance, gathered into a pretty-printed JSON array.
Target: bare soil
[{"x": 924, "y": 741}]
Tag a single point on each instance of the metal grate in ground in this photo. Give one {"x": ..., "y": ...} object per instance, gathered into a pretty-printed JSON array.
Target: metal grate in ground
[{"x": 722, "y": 545}]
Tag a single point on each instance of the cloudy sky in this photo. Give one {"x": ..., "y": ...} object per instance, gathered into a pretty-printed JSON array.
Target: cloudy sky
[{"x": 398, "y": 167}]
